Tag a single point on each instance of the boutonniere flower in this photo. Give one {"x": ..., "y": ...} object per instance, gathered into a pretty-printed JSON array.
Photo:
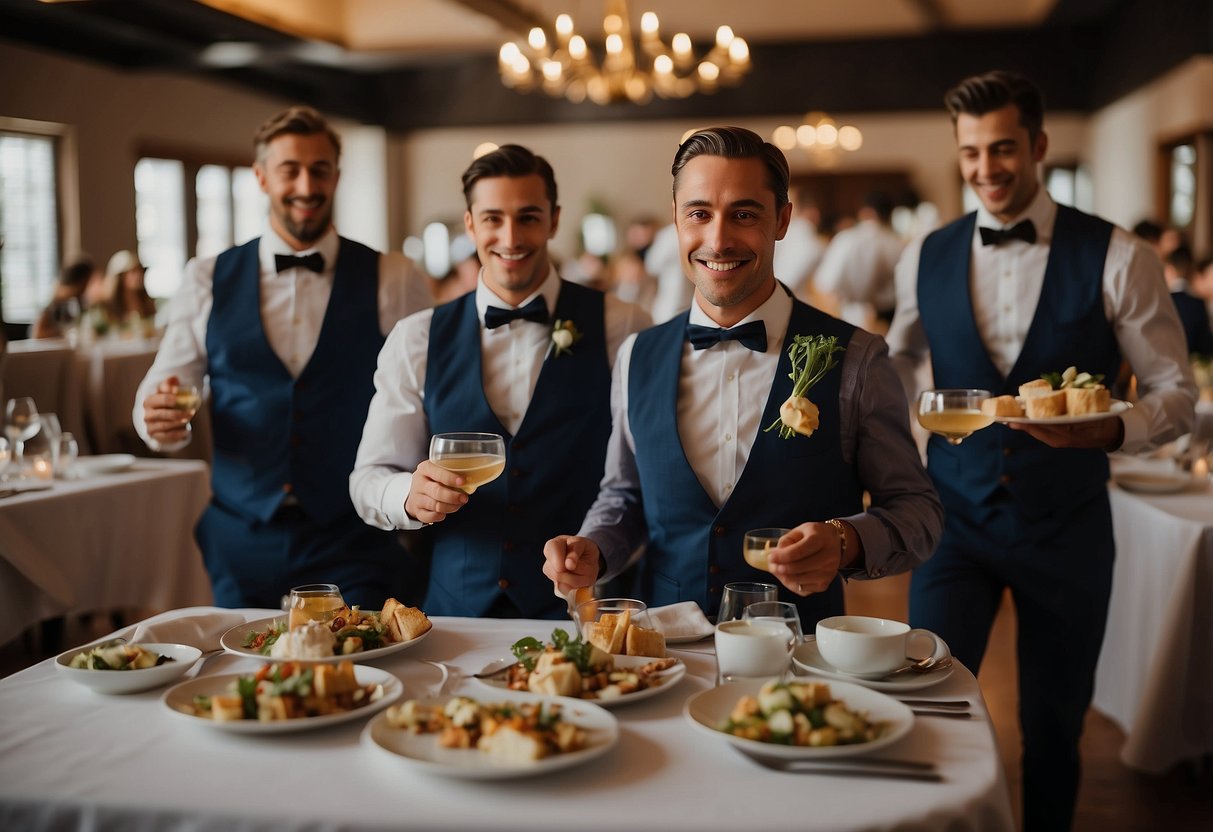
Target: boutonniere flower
[
  {"x": 812, "y": 357},
  {"x": 564, "y": 335}
]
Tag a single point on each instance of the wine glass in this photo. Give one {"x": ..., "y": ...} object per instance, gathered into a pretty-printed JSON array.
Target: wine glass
[
  {"x": 314, "y": 602},
  {"x": 188, "y": 399},
  {"x": 757, "y": 543},
  {"x": 21, "y": 423},
  {"x": 953, "y": 414},
  {"x": 66, "y": 450},
  {"x": 737, "y": 596},
  {"x": 477, "y": 457}
]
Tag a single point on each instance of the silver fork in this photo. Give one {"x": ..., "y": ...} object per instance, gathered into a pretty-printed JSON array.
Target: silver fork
[{"x": 451, "y": 677}]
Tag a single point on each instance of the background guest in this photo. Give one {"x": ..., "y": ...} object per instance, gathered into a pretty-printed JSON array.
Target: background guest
[
  {"x": 125, "y": 298},
  {"x": 70, "y": 299},
  {"x": 858, "y": 265}
]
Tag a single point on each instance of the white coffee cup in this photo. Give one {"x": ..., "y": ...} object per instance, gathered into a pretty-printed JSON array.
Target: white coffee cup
[
  {"x": 866, "y": 646},
  {"x": 752, "y": 649}
]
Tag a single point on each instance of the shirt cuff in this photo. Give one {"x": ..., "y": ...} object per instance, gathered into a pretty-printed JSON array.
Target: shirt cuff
[
  {"x": 1137, "y": 430},
  {"x": 877, "y": 547},
  {"x": 394, "y": 494}
]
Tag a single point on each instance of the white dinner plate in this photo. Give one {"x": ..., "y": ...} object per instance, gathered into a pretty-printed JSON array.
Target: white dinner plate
[
  {"x": 179, "y": 699},
  {"x": 422, "y": 752},
  {"x": 233, "y": 642},
  {"x": 808, "y": 658},
  {"x": 131, "y": 681},
  {"x": 1152, "y": 482},
  {"x": 668, "y": 678},
  {"x": 1115, "y": 409},
  {"x": 88, "y": 466},
  {"x": 710, "y": 708}
]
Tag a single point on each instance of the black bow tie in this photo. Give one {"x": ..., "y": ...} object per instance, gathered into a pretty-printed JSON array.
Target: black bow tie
[
  {"x": 997, "y": 236},
  {"x": 313, "y": 261},
  {"x": 536, "y": 310},
  {"x": 752, "y": 335}
]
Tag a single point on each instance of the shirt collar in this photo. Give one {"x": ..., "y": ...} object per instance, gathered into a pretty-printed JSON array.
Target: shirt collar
[
  {"x": 271, "y": 244},
  {"x": 775, "y": 312},
  {"x": 1042, "y": 211},
  {"x": 549, "y": 289}
]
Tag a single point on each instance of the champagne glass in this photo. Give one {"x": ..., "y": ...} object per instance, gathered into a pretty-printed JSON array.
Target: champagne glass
[
  {"x": 477, "y": 457},
  {"x": 21, "y": 423},
  {"x": 737, "y": 596},
  {"x": 953, "y": 414},
  {"x": 188, "y": 399},
  {"x": 758, "y": 542},
  {"x": 314, "y": 602}
]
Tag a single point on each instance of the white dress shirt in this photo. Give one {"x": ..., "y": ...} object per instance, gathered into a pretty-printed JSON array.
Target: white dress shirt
[
  {"x": 722, "y": 392},
  {"x": 858, "y": 267},
  {"x": 1005, "y": 283},
  {"x": 798, "y": 254},
  {"x": 396, "y": 436},
  {"x": 293, "y": 303},
  {"x": 664, "y": 261}
]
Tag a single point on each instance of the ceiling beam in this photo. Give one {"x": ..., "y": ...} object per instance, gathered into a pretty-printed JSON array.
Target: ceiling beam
[{"x": 509, "y": 14}]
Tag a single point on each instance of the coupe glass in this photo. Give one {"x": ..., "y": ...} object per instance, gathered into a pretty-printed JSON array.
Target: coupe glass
[
  {"x": 737, "y": 596},
  {"x": 21, "y": 423},
  {"x": 477, "y": 457},
  {"x": 953, "y": 414},
  {"x": 314, "y": 602},
  {"x": 757, "y": 543}
]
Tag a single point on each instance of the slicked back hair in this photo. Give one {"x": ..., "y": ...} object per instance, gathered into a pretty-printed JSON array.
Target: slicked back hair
[
  {"x": 736, "y": 143},
  {"x": 300, "y": 120},
  {"x": 981, "y": 94},
  {"x": 509, "y": 160}
]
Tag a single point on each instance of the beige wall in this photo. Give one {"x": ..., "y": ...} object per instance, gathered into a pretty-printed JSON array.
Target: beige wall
[{"x": 393, "y": 185}]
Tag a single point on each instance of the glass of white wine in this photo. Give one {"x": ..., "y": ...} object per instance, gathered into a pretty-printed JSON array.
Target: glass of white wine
[
  {"x": 758, "y": 542},
  {"x": 477, "y": 457},
  {"x": 188, "y": 399},
  {"x": 314, "y": 602},
  {"x": 953, "y": 414}
]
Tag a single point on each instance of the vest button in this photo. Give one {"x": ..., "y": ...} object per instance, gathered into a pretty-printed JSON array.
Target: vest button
[
  {"x": 286, "y": 488},
  {"x": 1005, "y": 479},
  {"x": 300, "y": 386},
  {"x": 298, "y": 417},
  {"x": 714, "y": 569},
  {"x": 516, "y": 445},
  {"x": 515, "y": 472},
  {"x": 508, "y": 545},
  {"x": 512, "y": 508},
  {"x": 296, "y": 441},
  {"x": 719, "y": 531},
  {"x": 503, "y": 583},
  {"x": 713, "y": 590},
  {"x": 1007, "y": 451}
]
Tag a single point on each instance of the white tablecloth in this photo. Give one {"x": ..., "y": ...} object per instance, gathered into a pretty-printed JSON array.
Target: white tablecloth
[
  {"x": 103, "y": 542},
  {"x": 47, "y": 370},
  {"x": 70, "y": 758},
  {"x": 1155, "y": 674}
]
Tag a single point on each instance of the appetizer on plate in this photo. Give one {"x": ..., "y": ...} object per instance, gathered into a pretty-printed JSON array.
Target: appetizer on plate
[
  {"x": 509, "y": 731},
  {"x": 350, "y": 631},
  {"x": 571, "y": 667},
  {"x": 799, "y": 713},
  {"x": 118, "y": 657},
  {"x": 615, "y": 633},
  {"x": 1068, "y": 393},
  {"x": 290, "y": 690}
]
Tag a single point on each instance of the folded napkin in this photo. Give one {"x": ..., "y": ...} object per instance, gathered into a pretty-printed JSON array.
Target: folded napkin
[
  {"x": 684, "y": 621},
  {"x": 202, "y": 630}
]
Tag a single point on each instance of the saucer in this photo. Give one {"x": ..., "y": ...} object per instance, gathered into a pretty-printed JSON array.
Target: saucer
[{"x": 807, "y": 659}]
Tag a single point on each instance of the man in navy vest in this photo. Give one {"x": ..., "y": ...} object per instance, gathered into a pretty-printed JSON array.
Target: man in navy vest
[
  {"x": 496, "y": 361},
  {"x": 286, "y": 329},
  {"x": 1023, "y": 287},
  {"x": 690, "y": 467}
]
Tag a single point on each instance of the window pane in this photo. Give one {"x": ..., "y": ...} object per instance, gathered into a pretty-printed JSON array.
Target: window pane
[
  {"x": 160, "y": 222},
  {"x": 251, "y": 205},
  {"x": 213, "y": 189},
  {"x": 28, "y": 224}
]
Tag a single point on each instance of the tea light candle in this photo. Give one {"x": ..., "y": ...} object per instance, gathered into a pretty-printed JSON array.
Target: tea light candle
[
  {"x": 43, "y": 469},
  {"x": 1200, "y": 468}
]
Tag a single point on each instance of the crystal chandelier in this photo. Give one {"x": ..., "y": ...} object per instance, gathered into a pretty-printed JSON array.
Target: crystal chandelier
[
  {"x": 819, "y": 136},
  {"x": 563, "y": 66}
]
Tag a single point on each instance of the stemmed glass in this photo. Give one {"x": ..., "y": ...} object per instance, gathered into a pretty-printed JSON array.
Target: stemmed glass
[
  {"x": 953, "y": 414},
  {"x": 188, "y": 400},
  {"x": 477, "y": 457},
  {"x": 737, "y": 596},
  {"x": 21, "y": 423}
]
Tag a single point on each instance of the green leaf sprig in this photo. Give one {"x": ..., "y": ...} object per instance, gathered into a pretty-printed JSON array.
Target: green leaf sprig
[{"x": 812, "y": 357}]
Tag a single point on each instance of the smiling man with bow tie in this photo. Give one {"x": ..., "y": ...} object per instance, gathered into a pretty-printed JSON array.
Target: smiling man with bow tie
[
  {"x": 285, "y": 330},
  {"x": 691, "y": 468},
  {"x": 1022, "y": 287},
  {"x": 490, "y": 362}
]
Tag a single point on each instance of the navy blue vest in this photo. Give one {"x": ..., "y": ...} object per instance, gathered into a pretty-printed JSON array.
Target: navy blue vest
[
  {"x": 694, "y": 549},
  {"x": 273, "y": 433},
  {"x": 1069, "y": 328},
  {"x": 553, "y": 464}
]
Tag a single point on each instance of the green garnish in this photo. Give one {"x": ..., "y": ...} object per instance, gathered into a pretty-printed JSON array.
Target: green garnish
[
  {"x": 246, "y": 686},
  {"x": 812, "y": 357},
  {"x": 525, "y": 650},
  {"x": 575, "y": 650}
]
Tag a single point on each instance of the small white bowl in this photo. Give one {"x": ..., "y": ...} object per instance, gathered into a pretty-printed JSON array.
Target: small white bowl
[{"x": 131, "y": 681}]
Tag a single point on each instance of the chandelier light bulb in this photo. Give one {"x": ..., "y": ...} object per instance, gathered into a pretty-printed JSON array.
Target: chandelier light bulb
[
  {"x": 537, "y": 39},
  {"x": 724, "y": 37},
  {"x": 564, "y": 25},
  {"x": 806, "y": 135},
  {"x": 614, "y": 44},
  {"x": 649, "y": 24},
  {"x": 739, "y": 51},
  {"x": 577, "y": 48},
  {"x": 827, "y": 134},
  {"x": 663, "y": 64},
  {"x": 849, "y": 137},
  {"x": 551, "y": 71},
  {"x": 681, "y": 44},
  {"x": 708, "y": 71},
  {"x": 784, "y": 137},
  {"x": 509, "y": 53}
]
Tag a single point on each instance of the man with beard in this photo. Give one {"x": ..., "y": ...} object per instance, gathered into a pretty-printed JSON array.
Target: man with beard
[
  {"x": 693, "y": 461},
  {"x": 285, "y": 329}
]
